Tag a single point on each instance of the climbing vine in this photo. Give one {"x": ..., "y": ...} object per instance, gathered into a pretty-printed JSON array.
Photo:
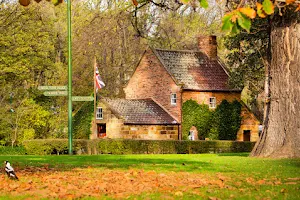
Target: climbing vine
[{"x": 221, "y": 123}]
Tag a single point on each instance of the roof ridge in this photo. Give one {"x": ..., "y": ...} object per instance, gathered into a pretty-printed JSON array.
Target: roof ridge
[{"x": 180, "y": 50}]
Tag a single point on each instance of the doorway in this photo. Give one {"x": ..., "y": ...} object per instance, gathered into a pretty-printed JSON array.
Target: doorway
[
  {"x": 101, "y": 130},
  {"x": 246, "y": 135}
]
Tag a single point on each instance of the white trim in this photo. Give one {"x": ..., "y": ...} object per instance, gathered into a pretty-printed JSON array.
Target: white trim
[
  {"x": 99, "y": 113},
  {"x": 212, "y": 104},
  {"x": 173, "y": 98}
]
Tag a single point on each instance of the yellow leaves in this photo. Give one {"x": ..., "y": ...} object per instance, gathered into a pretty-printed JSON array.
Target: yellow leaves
[
  {"x": 249, "y": 12},
  {"x": 234, "y": 18},
  {"x": 185, "y": 1},
  {"x": 260, "y": 11}
]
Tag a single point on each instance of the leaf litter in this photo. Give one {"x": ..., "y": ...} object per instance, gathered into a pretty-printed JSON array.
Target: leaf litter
[{"x": 44, "y": 182}]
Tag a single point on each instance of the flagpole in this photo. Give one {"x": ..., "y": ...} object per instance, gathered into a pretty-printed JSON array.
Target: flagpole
[{"x": 95, "y": 98}]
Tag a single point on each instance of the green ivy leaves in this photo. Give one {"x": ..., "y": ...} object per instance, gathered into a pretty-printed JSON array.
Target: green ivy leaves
[{"x": 203, "y": 3}]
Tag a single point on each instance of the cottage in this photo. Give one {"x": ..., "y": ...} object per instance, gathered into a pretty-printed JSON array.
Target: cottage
[{"x": 162, "y": 81}]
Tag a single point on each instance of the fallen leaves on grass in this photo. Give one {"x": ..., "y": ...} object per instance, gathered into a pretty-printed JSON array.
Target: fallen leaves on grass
[{"x": 93, "y": 182}]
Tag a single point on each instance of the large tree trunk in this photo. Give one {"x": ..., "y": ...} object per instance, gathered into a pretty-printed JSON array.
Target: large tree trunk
[{"x": 281, "y": 134}]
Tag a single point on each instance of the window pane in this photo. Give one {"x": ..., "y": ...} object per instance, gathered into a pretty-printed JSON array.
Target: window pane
[
  {"x": 99, "y": 113},
  {"x": 173, "y": 99}
]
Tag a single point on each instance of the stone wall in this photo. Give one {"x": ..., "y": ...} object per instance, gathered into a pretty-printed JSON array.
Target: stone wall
[
  {"x": 249, "y": 123},
  {"x": 116, "y": 129},
  {"x": 150, "y": 132},
  {"x": 113, "y": 123},
  {"x": 151, "y": 80}
]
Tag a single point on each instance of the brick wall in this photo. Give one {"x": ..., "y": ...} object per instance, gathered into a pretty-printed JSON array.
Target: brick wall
[
  {"x": 151, "y": 80},
  {"x": 208, "y": 45},
  {"x": 203, "y": 97}
]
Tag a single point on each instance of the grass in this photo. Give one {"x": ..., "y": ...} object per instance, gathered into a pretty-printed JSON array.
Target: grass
[{"x": 243, "y": 177}]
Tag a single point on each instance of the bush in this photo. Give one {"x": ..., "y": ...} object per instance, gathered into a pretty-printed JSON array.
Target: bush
[
  {"x": 120, "y": 146},
  {"x": 8, "y": 150}
]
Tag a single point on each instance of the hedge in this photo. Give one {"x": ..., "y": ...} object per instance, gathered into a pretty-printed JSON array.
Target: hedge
[
  {"x": 8, "y": 150},
  {"x": 120, "y": 146}
]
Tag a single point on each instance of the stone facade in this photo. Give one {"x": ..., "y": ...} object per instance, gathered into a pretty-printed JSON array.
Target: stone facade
[
  {"x": 151, "y": 132},
  {"x": 116, "y": 128},
  {"x": 249, "y": 124}
]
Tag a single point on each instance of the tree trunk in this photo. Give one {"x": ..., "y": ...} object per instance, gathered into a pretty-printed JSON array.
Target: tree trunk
[{"x": 281, "y": 134}]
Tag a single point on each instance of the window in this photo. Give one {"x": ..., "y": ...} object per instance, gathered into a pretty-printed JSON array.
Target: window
[
  {"x": 173, "y": 99},
  {"x": 99, "y": 113},
  {"x": 212, "y": 102}
]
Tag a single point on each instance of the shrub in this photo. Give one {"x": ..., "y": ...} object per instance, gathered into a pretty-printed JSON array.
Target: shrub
[
  {"x": 120, "y": 146},
  {"x": 8, "y": 150}
]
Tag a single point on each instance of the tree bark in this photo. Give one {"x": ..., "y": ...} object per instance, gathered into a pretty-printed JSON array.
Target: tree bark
[{"x": 281, "y": 134}]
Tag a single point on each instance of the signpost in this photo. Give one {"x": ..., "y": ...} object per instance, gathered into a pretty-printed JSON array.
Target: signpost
[
  {"x": 47, "y": 88},
  {"x": 82, "y": 98},
  {"x": 56, "y": 93}
]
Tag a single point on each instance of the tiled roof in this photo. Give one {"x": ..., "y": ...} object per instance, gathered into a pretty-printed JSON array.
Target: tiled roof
[
  {"x": 194, "y": 70},
  {"x": 140, "y": 111}
]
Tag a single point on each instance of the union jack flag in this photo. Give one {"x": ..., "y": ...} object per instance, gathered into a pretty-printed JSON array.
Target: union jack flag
[{"x": 99, "y": 82}]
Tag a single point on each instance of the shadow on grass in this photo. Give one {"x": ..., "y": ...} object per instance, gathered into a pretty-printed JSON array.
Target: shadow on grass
[
  {"x": 175, "y": 163},
  {"x": 244, "y": 154}
]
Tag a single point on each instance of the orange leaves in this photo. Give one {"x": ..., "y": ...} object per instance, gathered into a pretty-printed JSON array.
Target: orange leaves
[
  {"x": 24, "y": 2},
  {"x": 135, "y": 2},
  {"x": 289, "y": 1},
  {"x": 298, "y": 8},
  {"x": 260, "y": 12},
  {"x": 94, "y": 182},
  {"x": 249, "y": 12}
]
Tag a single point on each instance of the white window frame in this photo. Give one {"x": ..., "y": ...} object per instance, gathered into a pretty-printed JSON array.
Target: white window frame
[
  {"x": 212, "y": 104},
  {"x": 99, "y": 113},
  {"x": 173, "y": 99}
]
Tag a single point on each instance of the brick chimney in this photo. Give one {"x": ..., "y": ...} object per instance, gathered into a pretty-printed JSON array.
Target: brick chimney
[{"x": 208, "y": 45}]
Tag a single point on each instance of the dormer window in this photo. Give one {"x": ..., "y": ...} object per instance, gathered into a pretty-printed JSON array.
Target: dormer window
[
  {"x": 99, "y": 113},
  {"x": 212, "y": 102},
  {"x": 173, "y": 99}
]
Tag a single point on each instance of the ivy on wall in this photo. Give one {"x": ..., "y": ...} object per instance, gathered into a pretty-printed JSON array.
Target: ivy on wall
[
  {"x": 198, "y": 115},
  {"x": 82, "y": 121},
  {"x": 222, "y": 123}
]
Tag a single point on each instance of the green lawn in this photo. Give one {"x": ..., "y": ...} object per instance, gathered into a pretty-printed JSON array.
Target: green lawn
[{"x": 222, "y": 176}]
